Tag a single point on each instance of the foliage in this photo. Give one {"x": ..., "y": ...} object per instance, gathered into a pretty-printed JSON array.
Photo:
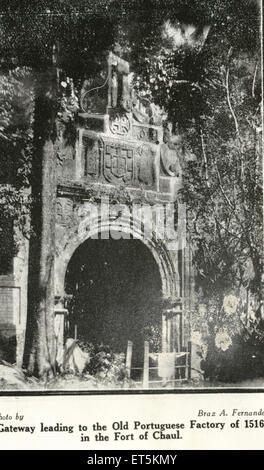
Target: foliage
[
  {"x": 80, "y": 29},
  {"x": 14, "y": 220},
  {"x": 210, "y": 89},
  {"x": 16, "y": 105},
  {"x": 243, "y": 359},
  {"x": 105, "y": 365},
  {"x": 152, "y": 334},
  {"x": 230, "y": 340},
  {"x": 224, "y": 191},
  {"x": 171, "y": 77}
]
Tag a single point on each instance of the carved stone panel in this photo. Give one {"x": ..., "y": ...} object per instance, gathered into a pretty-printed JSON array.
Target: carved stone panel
[
  {"x": 119, "y": 123},
  {"x": 92, "y": 148},
  {"x": 65, "y": 161},
  {"x": 145, "y": 133},
  {"x": 147, "y": 165},
  {"x": 118, "y": 162},
  {"x": 170, "y": 162},
  {"x": 64, "y": 212}
]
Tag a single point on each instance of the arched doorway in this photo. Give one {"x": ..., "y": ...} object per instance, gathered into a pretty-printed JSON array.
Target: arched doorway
[{"x": 117, "y": 290}]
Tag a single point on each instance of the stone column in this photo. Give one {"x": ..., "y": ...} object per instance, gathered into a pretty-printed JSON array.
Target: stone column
[{"x": 60, "y": 313}]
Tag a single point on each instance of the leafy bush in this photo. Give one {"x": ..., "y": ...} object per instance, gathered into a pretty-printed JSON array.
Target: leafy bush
[
  {"x": 16, "y": 143},
  {"x": 105, "y": 365},
  {"x": 242, "y": 359},
  {"x": 152, "y": 334}
]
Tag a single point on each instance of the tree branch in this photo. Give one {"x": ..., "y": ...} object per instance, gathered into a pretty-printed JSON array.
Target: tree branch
[
  {"x": 229, "y": 101},
  {"x": 205, "y": 160},
  {"x": 254, "y": 81},
  {"x": 222, "y": 189}
]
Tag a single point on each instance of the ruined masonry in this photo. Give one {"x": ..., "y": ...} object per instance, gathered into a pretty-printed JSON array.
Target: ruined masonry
[{"x": 122, "y": 148}]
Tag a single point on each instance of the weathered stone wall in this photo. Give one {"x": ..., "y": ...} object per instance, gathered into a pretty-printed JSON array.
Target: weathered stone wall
[{"x": 13, "y": 312}]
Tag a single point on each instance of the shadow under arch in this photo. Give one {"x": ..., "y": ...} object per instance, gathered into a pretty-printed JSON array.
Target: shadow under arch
[{"x": 117, "y": 292}]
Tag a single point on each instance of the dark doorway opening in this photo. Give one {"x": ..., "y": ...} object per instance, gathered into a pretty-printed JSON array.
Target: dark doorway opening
[{"x": 116, "y": 289}]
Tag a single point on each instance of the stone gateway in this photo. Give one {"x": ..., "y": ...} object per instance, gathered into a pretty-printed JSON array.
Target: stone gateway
[{"x": 113, "y": 274}]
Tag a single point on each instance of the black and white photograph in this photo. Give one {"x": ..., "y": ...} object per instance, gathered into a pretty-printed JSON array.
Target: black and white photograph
[{"x": 131, "y": 231}]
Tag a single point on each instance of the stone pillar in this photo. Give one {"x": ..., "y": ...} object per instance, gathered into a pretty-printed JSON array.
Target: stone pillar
[
  {"x": 172, "y": 328},
  {"x": 59, "y": 320}
]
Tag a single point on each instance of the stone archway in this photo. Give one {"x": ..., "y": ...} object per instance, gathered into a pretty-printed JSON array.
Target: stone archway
[{"x": 166, "y": 261}]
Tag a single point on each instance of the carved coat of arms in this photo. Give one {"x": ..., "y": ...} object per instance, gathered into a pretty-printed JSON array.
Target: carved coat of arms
[{"x": 118, "y": 163}]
